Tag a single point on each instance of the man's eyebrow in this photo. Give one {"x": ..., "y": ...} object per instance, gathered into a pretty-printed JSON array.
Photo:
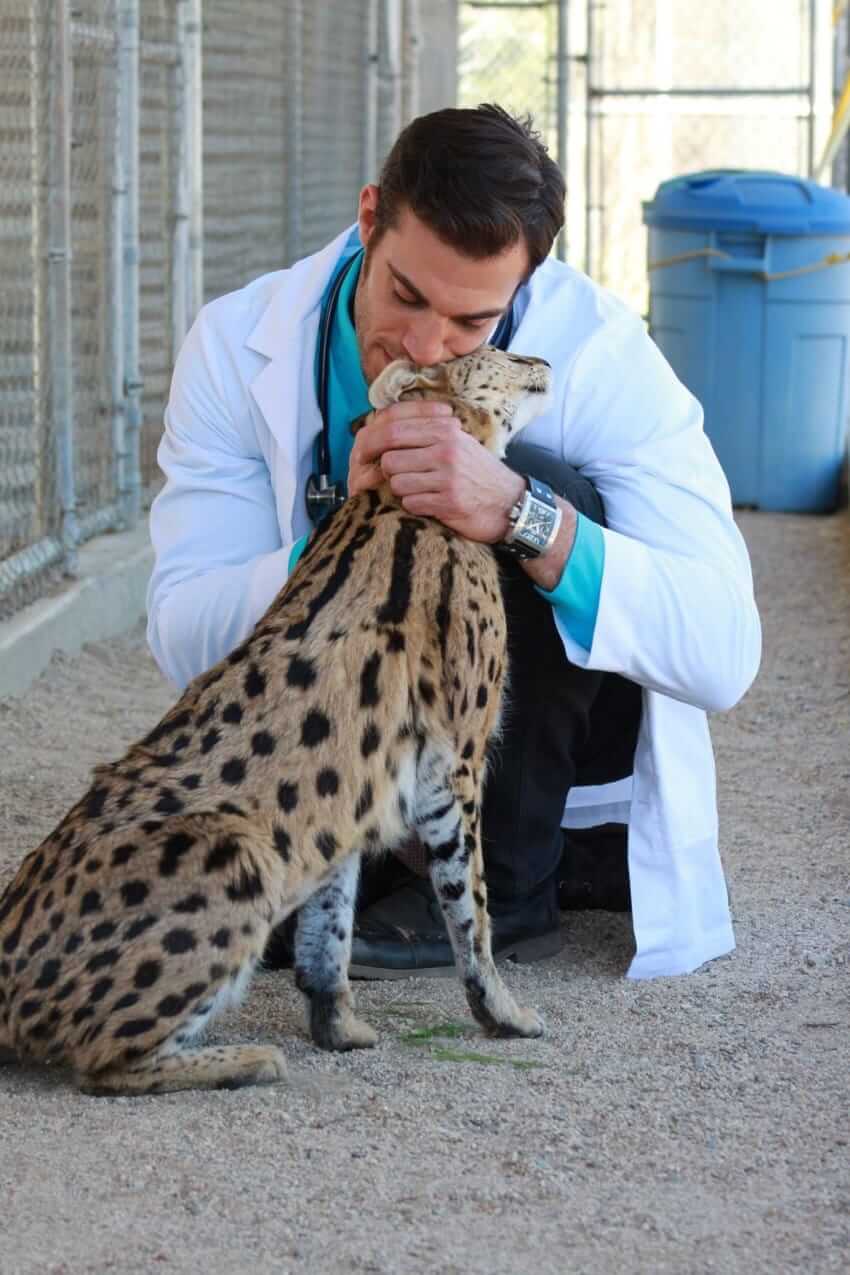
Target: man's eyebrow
[{"x": 480, "y": 314}]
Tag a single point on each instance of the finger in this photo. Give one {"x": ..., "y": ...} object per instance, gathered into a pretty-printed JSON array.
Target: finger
[
  {"x": 376, "y": 439},
  {"x": 413, "y": 484},
  {"x": 410, "y": 460},
  {"x": 419, "y": 407}
]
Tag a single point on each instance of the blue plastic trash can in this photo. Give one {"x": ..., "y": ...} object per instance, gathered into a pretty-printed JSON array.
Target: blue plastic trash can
[{"x": 750, "y": 302}]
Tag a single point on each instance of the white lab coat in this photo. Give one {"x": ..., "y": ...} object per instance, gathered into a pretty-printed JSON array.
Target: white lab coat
[{"x": 676, "y": 611}]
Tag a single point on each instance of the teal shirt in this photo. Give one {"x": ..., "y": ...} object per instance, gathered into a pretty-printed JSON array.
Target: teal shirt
[{"x": 576, "y": 596}]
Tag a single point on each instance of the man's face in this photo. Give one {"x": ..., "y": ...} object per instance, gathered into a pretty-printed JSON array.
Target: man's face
[{"x": 419, "y": 299}]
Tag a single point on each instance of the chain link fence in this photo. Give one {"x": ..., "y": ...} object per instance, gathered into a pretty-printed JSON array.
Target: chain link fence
[
  {"x": 631, "y": 92},
  {"x": 122, "y": 123}
]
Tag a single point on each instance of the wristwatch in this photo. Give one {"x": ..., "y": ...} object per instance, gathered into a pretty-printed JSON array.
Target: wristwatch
[{"x": 534, "y": 522}]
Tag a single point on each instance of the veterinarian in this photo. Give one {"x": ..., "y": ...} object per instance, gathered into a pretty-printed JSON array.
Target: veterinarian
[{"x": 626, "y": 582}]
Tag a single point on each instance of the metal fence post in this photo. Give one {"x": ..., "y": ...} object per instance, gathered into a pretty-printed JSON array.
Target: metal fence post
[
  {"x": 59, "y": 276},
  {"x": 128, "y": 70},
  {"x": 180, "y": 267},
  {"x": 195, "y": 130},
  {"x": 115, "y": 304},
  {"x": 294, "y": 129},
  {"x": 411, "y": 48},
  {"x": 370, "y": 118},
  {"x": 563, "y": 64}
]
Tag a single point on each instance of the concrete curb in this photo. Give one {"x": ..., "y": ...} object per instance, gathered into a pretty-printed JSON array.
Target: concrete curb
[{"x": 106, "y": 598}]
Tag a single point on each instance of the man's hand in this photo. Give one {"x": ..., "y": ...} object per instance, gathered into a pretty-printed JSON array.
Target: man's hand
[{"x": 434, "y": 468}]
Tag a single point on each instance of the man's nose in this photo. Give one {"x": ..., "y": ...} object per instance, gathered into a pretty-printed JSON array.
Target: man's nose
[{"x": 424, "y": 341}]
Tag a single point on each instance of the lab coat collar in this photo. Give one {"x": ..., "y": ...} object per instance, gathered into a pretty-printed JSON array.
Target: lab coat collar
[
  {"x": 279, "y": 327},
  {"x": 283, "y": 390}
]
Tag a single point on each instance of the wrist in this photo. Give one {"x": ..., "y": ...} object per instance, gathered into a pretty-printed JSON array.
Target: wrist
[
  {"x": 516, "y": 489},
  {"x": 546, "y": 570}
]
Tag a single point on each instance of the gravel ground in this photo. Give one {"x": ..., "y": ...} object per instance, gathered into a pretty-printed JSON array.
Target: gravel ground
[{"x": 682, "y": 1125}]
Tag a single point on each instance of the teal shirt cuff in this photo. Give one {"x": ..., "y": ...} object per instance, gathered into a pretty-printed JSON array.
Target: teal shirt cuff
[
  {"x": 296, "y": 552},
  {"x": 576, "y": 595}
]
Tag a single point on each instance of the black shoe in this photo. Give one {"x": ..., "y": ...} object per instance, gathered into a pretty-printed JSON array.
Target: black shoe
[
  {"x": 594, "y": 870},
  {"x": 403, "y": 935},
  {"x": 379, "y": 876}
]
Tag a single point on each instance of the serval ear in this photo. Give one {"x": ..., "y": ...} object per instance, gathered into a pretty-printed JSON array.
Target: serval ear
[{"x": 399, "y": 378}]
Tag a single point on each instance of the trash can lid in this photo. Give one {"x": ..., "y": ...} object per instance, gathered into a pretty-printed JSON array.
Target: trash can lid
[{"x": 740, "y": 199}]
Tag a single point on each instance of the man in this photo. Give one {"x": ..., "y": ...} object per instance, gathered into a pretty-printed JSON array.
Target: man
[{"x": 621, "y": 637}]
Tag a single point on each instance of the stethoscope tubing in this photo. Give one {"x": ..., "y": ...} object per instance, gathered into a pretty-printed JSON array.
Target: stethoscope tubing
[{"x": 322, "y": 496}]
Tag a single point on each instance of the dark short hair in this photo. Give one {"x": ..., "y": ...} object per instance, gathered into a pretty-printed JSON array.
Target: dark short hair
[{"x": 479, "y": 178}]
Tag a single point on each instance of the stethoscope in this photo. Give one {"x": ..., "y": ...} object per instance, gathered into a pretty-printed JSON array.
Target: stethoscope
[{"x": 322, "y": 496}]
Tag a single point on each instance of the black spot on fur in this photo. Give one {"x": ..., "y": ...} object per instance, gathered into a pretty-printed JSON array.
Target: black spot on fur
[
  {"x": 370, "y": 740},
  {"x": 167, "y": 727},
  {"x": 48, "y": 975},
  {"x": 282, "y": 842},
  {"x": 327, "y": 782},
  {"x": 468, "y": 748},
  {"x": 127, "y": 1001},
  {"x": 370, "y": 693},
  {"x": 301, "y": 673},
  {"x": 91, "y": 902},
  {"x": 255, "y": 682},
  {"x": 147, "y": 973},
  {"x": 169, "y": 803},
  {"x": 100, "y": 989},
  {"x": 202, "y": 719},
  {"x": 481, "y": 698},
  {"x": 263, "y": 744},
  {"x": 73, "y": 943},
  {"x": 233, "y": 771},
  {"x": 171, "y": 1006},
  {"x": 95, "y": 801},
  {"x": 38, "y": 943},
  {"x": 314, "y": 729},
  {"x": 133, "y": 893},
  {"x": 426, "y": 690},
  {"x": 247, "y": 885},
  {"x": 192, "y": 903},
  {"x": 135, "y": 1027},
  {"x": 190, "y": 781},
  {"x": 103, "y": 960},
  {"x": 138, "y": 927},
  {"x": 178, "y": 941},
  {"x": 122, "y": 854},
  {"x": 225, "y": 851},
  {"x": 221, "y": 938},
  {"x": 176, "y": 846},
  {"x": 395, "y": 640},
  {"x": 365, "y": 801},
  {"x": 287, "y": 796},
  {"x": 29, "y": 1008},
  {"x": 327, "y": 844},
  {"x": 229, "y": 808},
  {"x": 209, "y": 741}
]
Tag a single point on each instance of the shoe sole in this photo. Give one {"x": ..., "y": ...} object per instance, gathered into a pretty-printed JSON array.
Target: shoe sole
[{"x": 522, "y": 953}]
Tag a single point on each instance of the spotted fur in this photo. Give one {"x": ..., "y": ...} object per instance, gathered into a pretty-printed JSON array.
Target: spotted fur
[{"x": 356, "y": 714}]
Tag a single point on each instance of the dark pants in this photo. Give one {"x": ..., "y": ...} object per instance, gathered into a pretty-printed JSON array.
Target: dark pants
[{"x": 562, "y": 725}]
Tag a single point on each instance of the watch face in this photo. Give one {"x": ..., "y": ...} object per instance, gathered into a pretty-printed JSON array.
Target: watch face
[{"x": 539, "y": 524}]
